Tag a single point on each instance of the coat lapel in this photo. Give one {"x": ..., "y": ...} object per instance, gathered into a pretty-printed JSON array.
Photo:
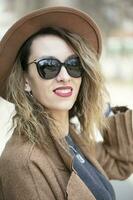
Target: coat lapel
[
  {"x": 65, "y": 155},
  {"x": 85, "y": 150},
  {"x": 76, "y": 188}
]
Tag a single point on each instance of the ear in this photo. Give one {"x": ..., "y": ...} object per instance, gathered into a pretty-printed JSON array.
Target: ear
[{"x": 27, "y": 85}]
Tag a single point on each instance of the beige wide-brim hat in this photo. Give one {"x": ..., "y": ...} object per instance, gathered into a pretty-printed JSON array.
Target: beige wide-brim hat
[{"x": 69, "y": 18}]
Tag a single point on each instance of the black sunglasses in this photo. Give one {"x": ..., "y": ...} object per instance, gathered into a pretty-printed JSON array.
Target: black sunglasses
[{"x": 49, "y": 67}]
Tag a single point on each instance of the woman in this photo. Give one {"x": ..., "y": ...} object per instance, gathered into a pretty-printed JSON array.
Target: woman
[{"x": 49, "y": 67}]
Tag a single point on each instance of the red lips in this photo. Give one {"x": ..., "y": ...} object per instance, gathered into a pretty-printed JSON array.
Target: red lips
[{"x": 64, "y": 91}]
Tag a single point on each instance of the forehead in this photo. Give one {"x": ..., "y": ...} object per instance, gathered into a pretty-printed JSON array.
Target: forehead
[{"x": 46, "y": 45}]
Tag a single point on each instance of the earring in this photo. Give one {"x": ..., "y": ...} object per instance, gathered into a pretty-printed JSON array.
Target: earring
[
  {"x": 28, "y": 90},
  {"x": 30, "y": 93}
]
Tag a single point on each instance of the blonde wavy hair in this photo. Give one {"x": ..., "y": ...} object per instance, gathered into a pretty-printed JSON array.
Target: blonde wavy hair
[{"x": 35, "y": 122}]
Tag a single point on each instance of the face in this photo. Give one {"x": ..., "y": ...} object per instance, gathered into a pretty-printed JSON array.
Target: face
[{"x": 60, "y": 92}]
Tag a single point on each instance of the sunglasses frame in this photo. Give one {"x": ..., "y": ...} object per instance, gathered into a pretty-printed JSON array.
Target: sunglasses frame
[{"x": 36, "y": 61}]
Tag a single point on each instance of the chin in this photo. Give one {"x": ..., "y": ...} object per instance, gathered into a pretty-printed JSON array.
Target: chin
[
  {"x": 62, "y": 107},
  {"x": 66, "y": 108}
]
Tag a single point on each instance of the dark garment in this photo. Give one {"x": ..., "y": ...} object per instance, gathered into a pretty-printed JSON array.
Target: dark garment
[{"x": 95, "y": 181}]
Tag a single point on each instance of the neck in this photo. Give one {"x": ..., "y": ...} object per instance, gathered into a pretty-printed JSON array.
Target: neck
[{"x": 62, "y": 120}]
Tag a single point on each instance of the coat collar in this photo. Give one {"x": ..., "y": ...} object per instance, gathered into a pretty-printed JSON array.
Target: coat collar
[
  {"x": 76, "y": 188},
  {"x": 67, "y": 158},
  {"x": 86, "y": 151}
]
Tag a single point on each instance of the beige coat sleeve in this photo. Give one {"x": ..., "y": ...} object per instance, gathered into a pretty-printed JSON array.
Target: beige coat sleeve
[{"x": 115, "y": 153}]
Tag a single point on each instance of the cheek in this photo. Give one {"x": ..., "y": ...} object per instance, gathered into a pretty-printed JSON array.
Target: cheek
[
  {"x": 40, "y": 89},
  {"x": 43, "y": 95}
]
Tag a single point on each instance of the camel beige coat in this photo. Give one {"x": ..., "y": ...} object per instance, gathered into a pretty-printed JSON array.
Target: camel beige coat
[{"x": 28, "y": 173}]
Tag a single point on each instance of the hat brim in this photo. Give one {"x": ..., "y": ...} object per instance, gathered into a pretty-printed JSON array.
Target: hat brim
[{"x": 71, "y": 19}]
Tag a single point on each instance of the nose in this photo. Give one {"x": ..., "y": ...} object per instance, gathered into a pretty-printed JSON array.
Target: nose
[{"x": 63, "y": 75}]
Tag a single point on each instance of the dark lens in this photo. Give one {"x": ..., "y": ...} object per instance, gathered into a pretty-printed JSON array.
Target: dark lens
[
  {"x": 74, "y": 67},
  {"x": 48, "y": 68}
]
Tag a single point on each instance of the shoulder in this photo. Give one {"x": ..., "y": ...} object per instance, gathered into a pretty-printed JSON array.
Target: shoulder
[
  {"x": 16, "y": 152},
  {"x": 23, "y": 154},
  {"x": 20, "y": 153},
  {"x": 25, "y": 171}
]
